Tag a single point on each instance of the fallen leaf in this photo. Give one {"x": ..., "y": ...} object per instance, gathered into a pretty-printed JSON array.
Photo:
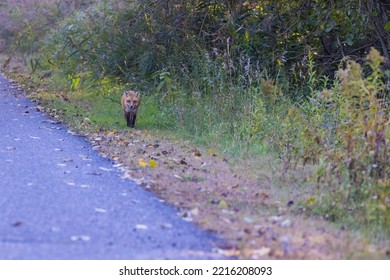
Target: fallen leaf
[
  {"x": 262, "y": 252},
  {"x": 194, "y": 212},
  {"x": 85, "y": 158},
  {"x": 141, "y": 227},
  {"x": 196, "y": 153},
  {"x": 70, "y": 182},
  {"x": 105, "y": 169},
  {"x": 187, "y": 218},
  {"x": 310, "y": 201},
  {"x": 230, "y": 253},
  {"x": 152, "y": 163},
  {"x": 286, "y": 223},
  {"x": 84, "y": 238},
  {"x": 142, "y": 163},
  {"x": 223, "y": 204},
  {"x": 211, "y": 152},
  {"x": 71, "y": 132}
]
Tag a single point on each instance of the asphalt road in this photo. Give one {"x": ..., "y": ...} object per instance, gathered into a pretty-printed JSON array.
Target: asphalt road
[{"x": 60, "y": 200}]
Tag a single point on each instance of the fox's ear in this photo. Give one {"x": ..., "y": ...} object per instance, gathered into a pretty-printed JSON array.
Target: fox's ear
[
  {"x": 126, "y": 93},
  {"x": 138, "y": 94}
]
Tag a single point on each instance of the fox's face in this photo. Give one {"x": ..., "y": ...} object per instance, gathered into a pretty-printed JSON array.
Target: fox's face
[{"x": 130, "y": 101}]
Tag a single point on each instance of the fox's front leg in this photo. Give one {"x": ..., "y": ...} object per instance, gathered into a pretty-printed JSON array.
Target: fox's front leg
[
  {"x": 134, "y": 117},
  {"x": 128, "y": 121}
]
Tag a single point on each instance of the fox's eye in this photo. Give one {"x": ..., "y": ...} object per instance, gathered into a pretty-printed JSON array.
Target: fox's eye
[{"x": 128, "y": 101}]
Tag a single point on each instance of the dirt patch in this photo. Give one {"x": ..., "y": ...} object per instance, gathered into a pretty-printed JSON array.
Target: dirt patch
[{"x": 228, "y": 197}]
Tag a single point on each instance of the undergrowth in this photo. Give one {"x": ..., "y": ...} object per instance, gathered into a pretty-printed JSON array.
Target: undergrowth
[{"x": 344, "y": 132}]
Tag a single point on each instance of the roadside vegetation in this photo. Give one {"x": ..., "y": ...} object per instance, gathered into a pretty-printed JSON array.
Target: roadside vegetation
[{"x": 294, "y": 93}]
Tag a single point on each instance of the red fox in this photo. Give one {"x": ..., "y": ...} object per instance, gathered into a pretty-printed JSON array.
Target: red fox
[{"x": 130, "y": 102}]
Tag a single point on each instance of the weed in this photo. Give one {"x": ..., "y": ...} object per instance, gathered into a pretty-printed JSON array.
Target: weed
[{"x": 344, "y": 130}]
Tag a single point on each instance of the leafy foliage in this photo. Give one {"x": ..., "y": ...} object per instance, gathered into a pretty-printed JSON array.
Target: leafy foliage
[
  {"x": 247, "y": 38},
  {"x": 345, "y": 130}
]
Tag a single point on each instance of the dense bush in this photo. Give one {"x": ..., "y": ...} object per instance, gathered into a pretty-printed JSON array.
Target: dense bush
[{"x": 247, "y": 38}]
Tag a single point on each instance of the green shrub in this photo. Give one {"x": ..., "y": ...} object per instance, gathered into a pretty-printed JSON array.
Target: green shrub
[{"x": 345, "y": 131}]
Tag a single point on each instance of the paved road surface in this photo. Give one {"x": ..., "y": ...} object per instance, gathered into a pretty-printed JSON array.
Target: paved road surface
[{"x": 60, "y": 200}]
